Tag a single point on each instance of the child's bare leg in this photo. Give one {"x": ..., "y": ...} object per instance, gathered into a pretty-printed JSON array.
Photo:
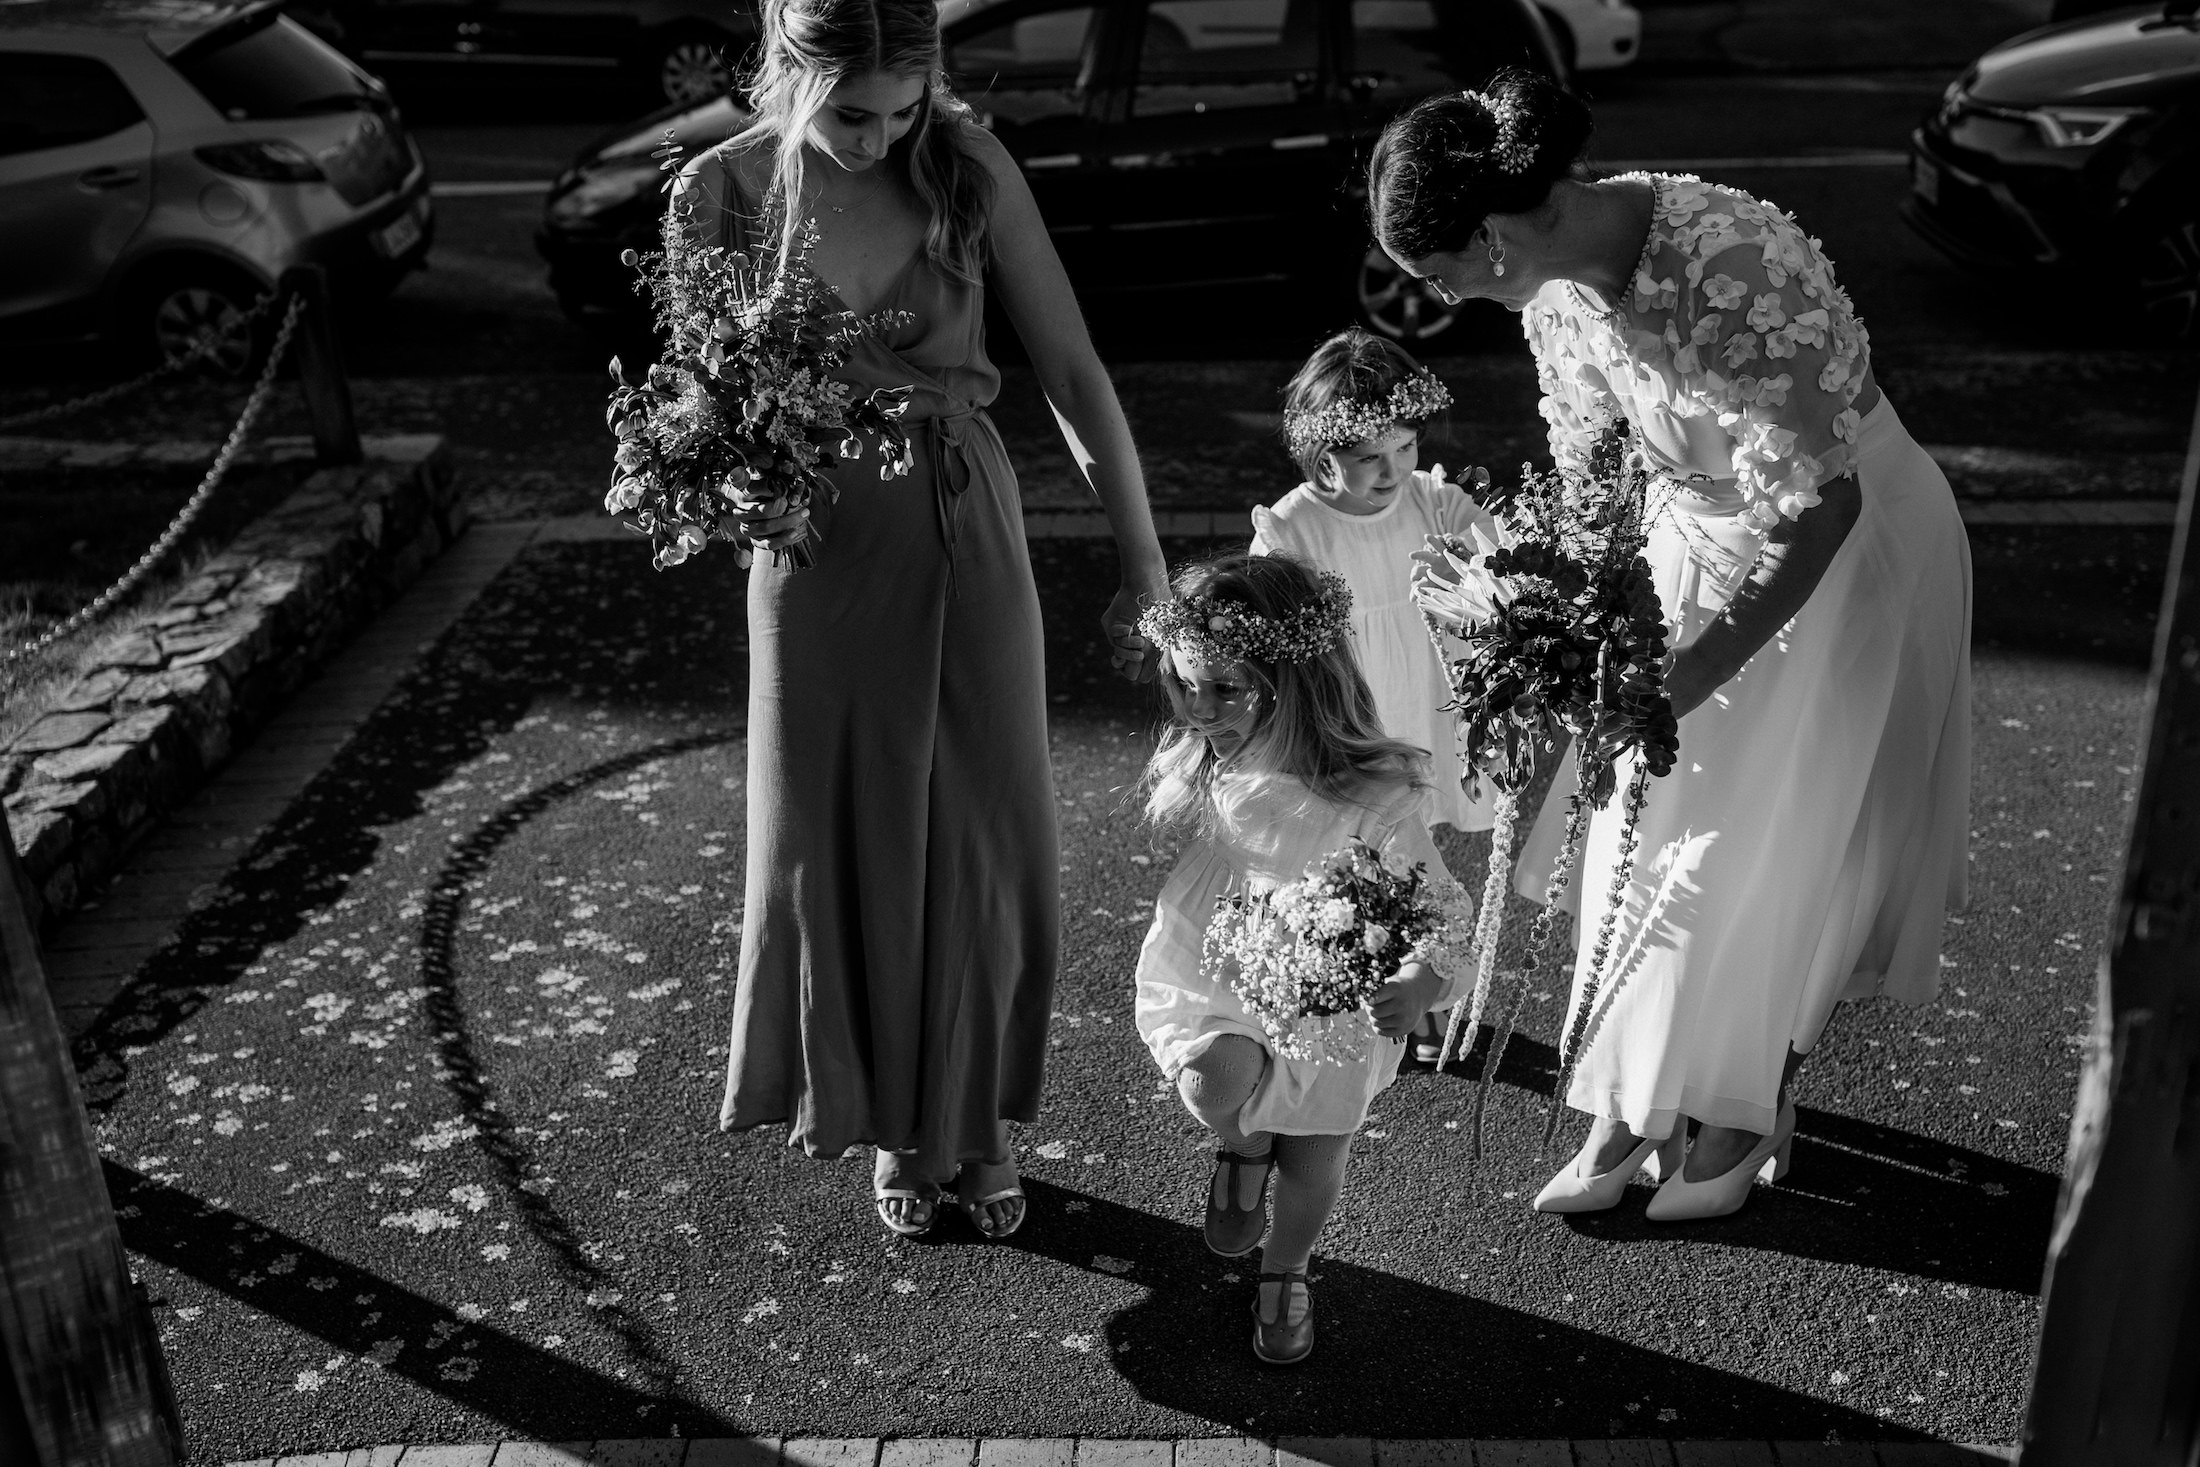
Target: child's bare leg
[{"x": 1214, "y": 1086}]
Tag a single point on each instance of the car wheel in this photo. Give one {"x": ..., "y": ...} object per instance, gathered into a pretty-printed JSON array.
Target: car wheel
[
  {"x": 690, "y": 67},
  {"x": 2168, "y": 282},
  {"x": 1392, "y": 303},
  {"x": 179, "y": 313}
]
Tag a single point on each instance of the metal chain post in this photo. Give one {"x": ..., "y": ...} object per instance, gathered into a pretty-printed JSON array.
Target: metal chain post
[{"x": 215, "y": 473}]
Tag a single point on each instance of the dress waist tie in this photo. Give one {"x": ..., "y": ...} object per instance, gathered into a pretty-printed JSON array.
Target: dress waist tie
[{"x": 947, "y": 435}]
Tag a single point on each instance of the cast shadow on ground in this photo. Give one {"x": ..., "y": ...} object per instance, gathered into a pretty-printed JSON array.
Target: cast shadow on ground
[
  {"x": 535, "y": 1393},
  {"x": 1396, "y": 1358},
  {"x": 1860, "y": 1193}
]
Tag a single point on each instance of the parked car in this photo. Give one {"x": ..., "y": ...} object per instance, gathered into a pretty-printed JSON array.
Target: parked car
[
  {"x": 677, "y": 51},
  {"x": 156, "y": 181},
  {"x": 1594, "y": 35},
  {"x": 1173, "y": 145},
  {"x": 2072, "y": 154}
]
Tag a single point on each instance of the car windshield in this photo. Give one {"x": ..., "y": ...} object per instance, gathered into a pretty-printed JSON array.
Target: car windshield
[{"x": 268, "y": 67}]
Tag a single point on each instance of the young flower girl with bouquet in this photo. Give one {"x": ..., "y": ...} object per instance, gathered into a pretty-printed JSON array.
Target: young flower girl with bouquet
[{"x": 1309, "y": 922}]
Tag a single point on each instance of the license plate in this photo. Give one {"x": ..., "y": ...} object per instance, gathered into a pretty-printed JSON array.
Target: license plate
[
  {"x": 399, "y": 235},
  {"x": 1925, "y": 178}
]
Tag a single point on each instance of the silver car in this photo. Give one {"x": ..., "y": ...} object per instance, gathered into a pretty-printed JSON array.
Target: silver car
[{"x": 162, "y": 162}]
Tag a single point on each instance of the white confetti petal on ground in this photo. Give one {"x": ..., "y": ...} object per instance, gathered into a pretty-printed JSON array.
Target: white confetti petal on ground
[
  {"x": 551, "y": 1342},
  {"x": 496, "y": 1252},
  {"x": 1081, "y": 1343},
  {"x": 471, "y": 1313},
  {"x": 1839, "y": 1377},
  {"x": 905, "y": 1286},
  {"x": 183, "y": 1086},
  {"x": 761, "y": 1309},
  {"x": 447, "y": 1133},
  {"x": 604, "y": 1298},
  {"x": 622, "y": 1064},
  {"x": 1053, "y": 1150},
  {"x": 189, "y": 1314},
  {"x": 422, "y": 1220},
  {"x": 460, "y": 1368},
  {"x": 1106, "y": 1264},
  {"x": 472, "y": 1196},
  {"x": 385, "y": 1353},
  {"x": 309, "y": 1380}
]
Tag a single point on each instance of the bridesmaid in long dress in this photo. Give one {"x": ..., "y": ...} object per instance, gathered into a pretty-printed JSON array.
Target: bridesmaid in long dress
[
  {"x": 1817, "y": 585},
  {"x": 899, "y": 948}
]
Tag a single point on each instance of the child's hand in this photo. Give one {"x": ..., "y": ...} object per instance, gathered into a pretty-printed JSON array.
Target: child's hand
[{"x": 1399, "y": 1004}]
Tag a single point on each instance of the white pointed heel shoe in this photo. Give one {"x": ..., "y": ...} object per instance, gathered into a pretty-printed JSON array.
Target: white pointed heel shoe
[
  {"x": 1680, "y": 1200},
  {"x": 1573, "y": 1190}
]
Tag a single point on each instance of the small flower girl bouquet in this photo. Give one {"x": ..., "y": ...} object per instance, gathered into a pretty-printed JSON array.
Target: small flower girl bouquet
[
  {"x": 1562, "y": 634},
  {"x": 1306, "y": 956},
  {"x": 742, "y": 415}
]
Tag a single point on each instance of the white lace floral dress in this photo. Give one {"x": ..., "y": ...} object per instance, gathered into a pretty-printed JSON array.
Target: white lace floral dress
[
  {"x": 1812, "y": 836},
  {"x": 1373, "y": 552},
  {"x": 1271, "y": 827}
]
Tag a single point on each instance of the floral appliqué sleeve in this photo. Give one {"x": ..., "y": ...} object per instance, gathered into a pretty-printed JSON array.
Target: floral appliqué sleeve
[
  {"x": 1760, "y": 335},
  {"x": 1574, "y": 393}
]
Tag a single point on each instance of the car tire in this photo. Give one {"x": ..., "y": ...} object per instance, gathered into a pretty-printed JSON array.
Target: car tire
[
  {"x": 1389, "y": 302},
  {"x": 175, "y": 309},
  {"x": 688, "y": 65},
  {"x": 2167, "y": 281}
]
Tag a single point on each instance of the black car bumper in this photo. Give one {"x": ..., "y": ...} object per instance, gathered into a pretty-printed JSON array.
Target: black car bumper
[
  {"x": 1968, "y": 210},
  {"x": 384, "y": 244}
]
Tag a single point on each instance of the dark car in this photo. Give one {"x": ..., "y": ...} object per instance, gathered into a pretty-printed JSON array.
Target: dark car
[
  {"x": 1173, "y": 145},
  {"x": 677, "y": 51},
  {"x": 2074, "y": 151}
]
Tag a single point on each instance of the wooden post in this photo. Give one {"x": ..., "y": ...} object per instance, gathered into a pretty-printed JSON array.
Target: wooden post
[
  {"x": 2118, "y": 1374},
  {"x": 321, "y": 369},
  {"x": 87, "y": 1383}
]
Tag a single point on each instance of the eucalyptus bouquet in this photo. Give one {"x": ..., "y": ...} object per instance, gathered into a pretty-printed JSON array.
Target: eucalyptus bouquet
[
  {"x": 743, "y": 414},
  {"x": 1562, "y": 633},
  {"x": 1306, "y": 956}
]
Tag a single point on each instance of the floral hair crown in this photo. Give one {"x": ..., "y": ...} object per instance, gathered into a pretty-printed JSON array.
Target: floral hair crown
[
  {"x": 1415, "y": 400},
  {"x": 1511, "y": 152},
  {"x": 1217, "y": 631}
]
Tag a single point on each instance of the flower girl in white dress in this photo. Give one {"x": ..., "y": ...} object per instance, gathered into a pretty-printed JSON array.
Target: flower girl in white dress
[{"x": 1273, "y": 761}]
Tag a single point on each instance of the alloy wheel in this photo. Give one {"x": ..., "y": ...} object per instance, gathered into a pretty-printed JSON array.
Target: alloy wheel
[
  {"x": 1399, "y": 306},
  {"x": 2169, "y": 282},
  {"x": 187, "y": 317},
  {"x": 692, "y": 70}
]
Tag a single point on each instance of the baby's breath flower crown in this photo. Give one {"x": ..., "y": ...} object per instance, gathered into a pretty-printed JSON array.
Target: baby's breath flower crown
[
  {"x": 1219, "y": 632},
  {"x": 1415, "y": 400}
]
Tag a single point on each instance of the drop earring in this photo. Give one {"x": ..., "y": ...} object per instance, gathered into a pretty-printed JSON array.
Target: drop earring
[{"x": 1497, "y": 259}]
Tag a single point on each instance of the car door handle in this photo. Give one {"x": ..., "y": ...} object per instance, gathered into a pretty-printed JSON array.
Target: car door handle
[
  {"x": 108, "y": 176},
  {"x": 1300, "y": 140}
]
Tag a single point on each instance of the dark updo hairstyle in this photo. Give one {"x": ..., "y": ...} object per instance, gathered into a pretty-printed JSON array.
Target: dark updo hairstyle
[
  {"x": 1446, "y": 164},
  {"x": 1354, "y": 366}
]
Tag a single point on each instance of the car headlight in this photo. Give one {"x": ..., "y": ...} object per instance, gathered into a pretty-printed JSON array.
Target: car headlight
[
  {"x": 270, "y": 160},
  {"x": 604, "y": 190},
  {"x": 2080, "y": 127}
]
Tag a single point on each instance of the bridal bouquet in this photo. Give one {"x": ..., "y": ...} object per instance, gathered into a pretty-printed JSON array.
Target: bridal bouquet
[
  {"x": 742, "y": 415},
  {"x": 1562, "y": 633},
  {"x": 1305, "y": 956}
]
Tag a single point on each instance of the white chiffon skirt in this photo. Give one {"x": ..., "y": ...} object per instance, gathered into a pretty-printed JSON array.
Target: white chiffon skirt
[{"x": 1813, "y": 833}]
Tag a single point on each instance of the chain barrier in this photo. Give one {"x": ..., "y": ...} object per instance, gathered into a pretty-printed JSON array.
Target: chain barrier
[
  {"x": 215, "y": 472},
  {"x": 206, "y": 346}
]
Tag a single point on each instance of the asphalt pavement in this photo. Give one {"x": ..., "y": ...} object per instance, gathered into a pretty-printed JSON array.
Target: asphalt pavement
[{"x": 413, "y": 1128}]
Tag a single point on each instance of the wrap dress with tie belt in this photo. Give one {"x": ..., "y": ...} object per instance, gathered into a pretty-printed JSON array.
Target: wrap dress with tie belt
[{"x": 899, "y": 943}]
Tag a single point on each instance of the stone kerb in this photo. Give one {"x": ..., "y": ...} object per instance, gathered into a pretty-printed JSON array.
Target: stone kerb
[{"x": 161, "y": 706}]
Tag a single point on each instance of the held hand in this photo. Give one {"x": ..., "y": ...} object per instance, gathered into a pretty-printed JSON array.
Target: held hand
[
  {"x": 1399, "y": 1004},
  {"x": 776, "y": 531},
  {"x": 1128, "y": 653}
]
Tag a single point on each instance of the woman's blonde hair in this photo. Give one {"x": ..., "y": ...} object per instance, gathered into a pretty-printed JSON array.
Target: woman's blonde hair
[
  {"x": 810, "y": 47},
  {"x": 1317, "y": 718}
]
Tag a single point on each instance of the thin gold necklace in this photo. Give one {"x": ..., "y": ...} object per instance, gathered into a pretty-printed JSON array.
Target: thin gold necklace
[{"x": 878, "y": 182}]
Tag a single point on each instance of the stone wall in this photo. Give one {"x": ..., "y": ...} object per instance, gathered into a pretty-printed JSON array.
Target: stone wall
[{"x": 159, "y": 707}]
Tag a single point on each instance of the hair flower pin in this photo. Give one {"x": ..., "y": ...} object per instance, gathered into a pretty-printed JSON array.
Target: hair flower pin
[{"x": 1511, "y": 151}]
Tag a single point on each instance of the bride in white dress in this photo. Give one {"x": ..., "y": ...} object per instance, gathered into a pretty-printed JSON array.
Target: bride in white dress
[{"x": 1817, "y": 585}]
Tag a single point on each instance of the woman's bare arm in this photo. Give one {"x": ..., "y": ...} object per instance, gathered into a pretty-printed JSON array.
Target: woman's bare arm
[
  {"x": 1794, "y": 560},
  {"x": 1029, "y": 278}
]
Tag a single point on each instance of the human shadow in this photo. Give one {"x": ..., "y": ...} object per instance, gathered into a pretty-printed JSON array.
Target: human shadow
[
  {"x": 1396, "y": 1357},
  {"x": 535, "y": 1392}
]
